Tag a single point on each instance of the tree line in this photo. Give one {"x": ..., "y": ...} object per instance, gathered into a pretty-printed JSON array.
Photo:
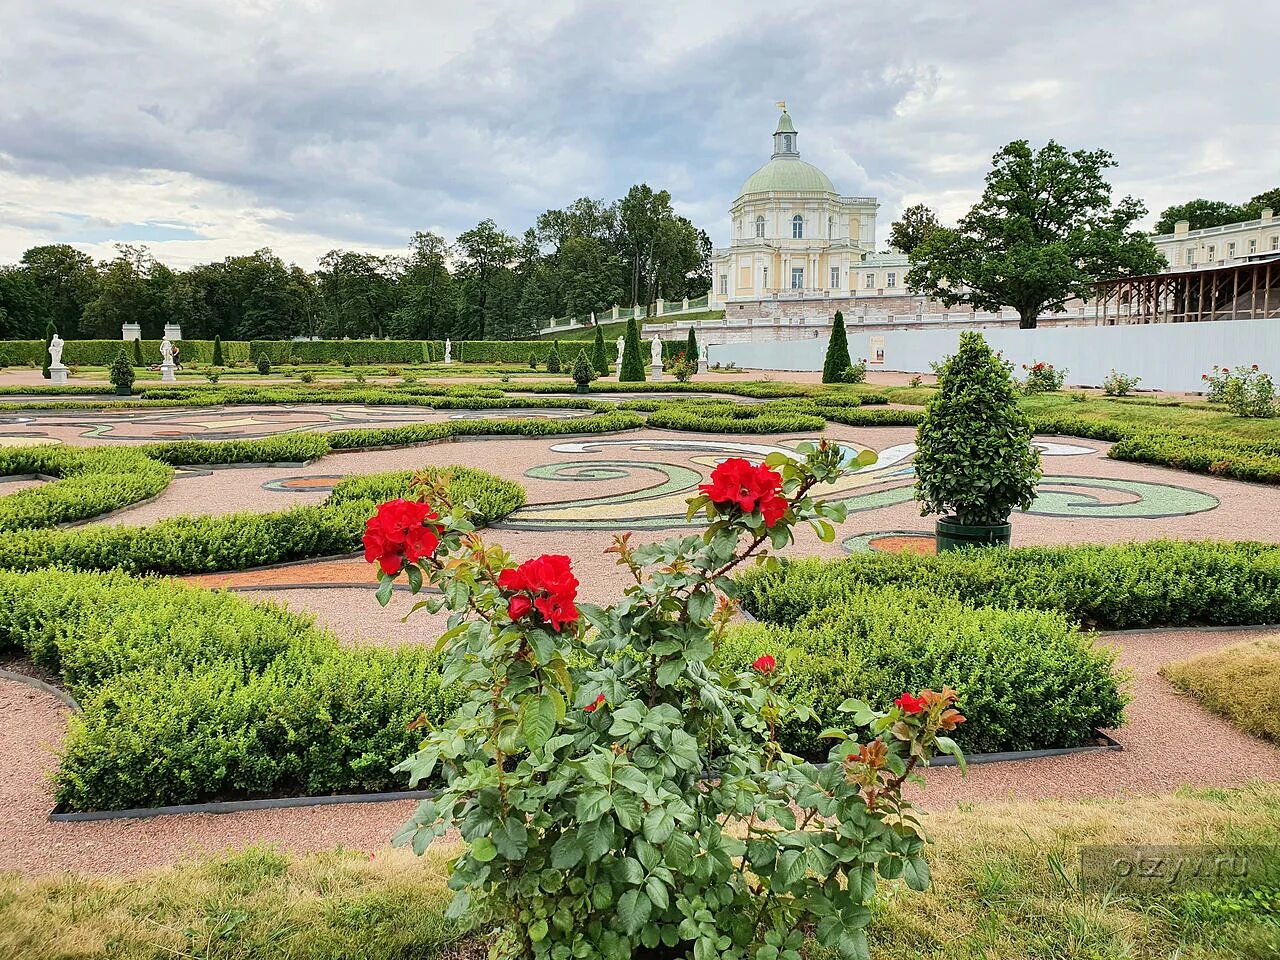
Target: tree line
[{"x": 487, "y": 285}]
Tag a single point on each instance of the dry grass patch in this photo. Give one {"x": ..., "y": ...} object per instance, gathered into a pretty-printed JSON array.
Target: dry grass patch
[
  {"x": 1240, "y": 682},
  {"x": 1006, "y": 886}
]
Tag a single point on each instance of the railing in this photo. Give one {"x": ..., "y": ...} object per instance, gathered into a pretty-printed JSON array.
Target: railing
[
  {"x": 866, "y": 320},
  {"x": 661, "y": 308}
]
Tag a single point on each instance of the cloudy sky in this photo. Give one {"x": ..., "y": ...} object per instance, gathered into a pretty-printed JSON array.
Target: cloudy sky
[{"x": 209, "y": 127}]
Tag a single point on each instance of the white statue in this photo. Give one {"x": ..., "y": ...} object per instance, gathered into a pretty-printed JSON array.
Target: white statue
[
  {"x": 448, "y": 351},
  {"x": 706, "y": 353},
  {"x": 622, "y": 342},
  {"x": 655, "y": 351},
  {"x": 55, "y": 351},
  {"x": 166, "y": 351}
]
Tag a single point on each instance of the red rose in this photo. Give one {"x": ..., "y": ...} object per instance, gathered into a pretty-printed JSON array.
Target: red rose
[
  {"x": 738, "y": 483},
  {"x": 1255, "y": 366},
  {"x": 765, "y": 664},
  {"x": 518, "y": 606},
  {"x": 399, "y": 532},
  {"x": 595, "y": 704},
  {"x": 910, "y": 704},
  {"x": 545, "y": 584}
]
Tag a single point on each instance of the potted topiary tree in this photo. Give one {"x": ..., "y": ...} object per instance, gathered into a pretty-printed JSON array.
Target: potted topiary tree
[
  {"x": 974, "y": 459},
  {"x": 553, "y": 358},
  {"x": 121, "y": 373},
  {"x": 582, "y": 372}
]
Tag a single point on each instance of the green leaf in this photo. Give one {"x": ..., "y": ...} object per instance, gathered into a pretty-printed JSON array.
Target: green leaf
[
  {"x": 947, "y": 745},
  {"x": 658, "y": 825},
  {"x": 538, "y": 929},
  {"x": 656, "y": 891},
  {"x": 566, "y": 851},
  {"x": 483, "y": 850},
  {"x": 415, "y": 577},
  {"x": 383, "y": 595},
  {"x": 633, "y": 910},
  {"x": 537, "y": 720},
  {"x": 669, "y": 671},
  {"x": 916, "y": 872}
]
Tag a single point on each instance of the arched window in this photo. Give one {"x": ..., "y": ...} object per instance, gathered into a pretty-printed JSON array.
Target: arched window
[
  {"x": 759, "y": 226},
  {"x": 786, "y": 142},
  {"x": 797, "y": 227},
  {"x": 831, "y": 228}
]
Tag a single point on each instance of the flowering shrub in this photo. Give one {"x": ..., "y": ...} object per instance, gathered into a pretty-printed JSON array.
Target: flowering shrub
[
  {"x": 1119, "y": 385},
  {"x": 619, "y": 794},
  {"x": 854, "y": 373},
  {"x": 1043, "y": 377},
  {"x": 1247, "y": 391}
]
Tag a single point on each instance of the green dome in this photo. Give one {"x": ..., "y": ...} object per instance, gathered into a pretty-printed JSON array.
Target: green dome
[{"x": 787, "y": 174}]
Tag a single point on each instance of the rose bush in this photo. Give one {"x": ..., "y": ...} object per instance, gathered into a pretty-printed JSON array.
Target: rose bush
[{"x": 618, "y": 793}]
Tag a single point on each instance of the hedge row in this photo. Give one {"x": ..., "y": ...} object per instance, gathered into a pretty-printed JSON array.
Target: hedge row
[
  {"x": 1151, "y": 584},
  {"x": 85, "y": 483},
  {"x": 1027, "y": 679},
  {"x": 340, "y": 351},
  {"x": 100, "y": 353},
  {"x": 204, "y": 544},
  {"x": 191, "y": 695}
]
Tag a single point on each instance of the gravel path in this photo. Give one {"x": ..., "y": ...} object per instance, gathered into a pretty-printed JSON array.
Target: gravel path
[{"x": 1169, "y": 741}]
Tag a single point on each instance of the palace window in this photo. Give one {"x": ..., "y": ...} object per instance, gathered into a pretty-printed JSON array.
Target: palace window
[
  {"x": 1275, "y": 243},
  {"x": 831, "y": 228},
  {"x": 724, "y": 284},
  {"x": 835, "y": 278},
  {"x": 797, "y": 227},
  {"x": 871, "y": 281},
  {"x": 891, "y": 280},
  {"x": 759, "y": 226},
  {"x": 797, "y": 278},
  {"x": 764, "y": 277},
  {"x": 1212, "y": 251},
  {"x": 1253, "y": 246},
  {"x": 1191, "y": 257},
  {"x": 1231, "y": 250}
]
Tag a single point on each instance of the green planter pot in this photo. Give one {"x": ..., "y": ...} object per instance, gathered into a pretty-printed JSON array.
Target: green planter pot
[
  {"x": 953, "y": 535},
  {"x": 124, "y": 391},
  {"x": 582, "y": 388}
]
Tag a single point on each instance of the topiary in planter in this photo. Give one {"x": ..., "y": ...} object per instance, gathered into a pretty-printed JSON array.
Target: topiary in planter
[
  {"x": 553, "y": 358},
  {"x": 975, "y": 462},
  {"x": 121, "y": 373},
  {"x": 582, "y": 372}
]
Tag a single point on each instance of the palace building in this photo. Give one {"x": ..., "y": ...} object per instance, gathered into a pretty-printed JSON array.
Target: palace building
[{"x": 798, "y": 243}]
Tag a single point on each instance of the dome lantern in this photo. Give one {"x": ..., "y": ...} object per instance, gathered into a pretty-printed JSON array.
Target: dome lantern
[{"x": 785, "y": 137}]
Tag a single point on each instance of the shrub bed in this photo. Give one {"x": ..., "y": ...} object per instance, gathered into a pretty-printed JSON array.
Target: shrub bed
[
  {"x": 89, "y": 482},
  {"x": 1027, "y": 679},
  {"x": 1157, "y": 583},
  {"x": 203, "y": 544}
]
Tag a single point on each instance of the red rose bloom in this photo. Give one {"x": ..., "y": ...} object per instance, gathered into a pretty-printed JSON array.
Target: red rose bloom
[
  {"x": 595, "y": 705},
  {"x": 518, "y": 606},
  {"x": 399, "y": 532},
  {"x": 545, "y": 584},
  {"x": 910, "y": 704},
  {"x": 765, "y": 664},
  {"x": 738, "y": 483}
]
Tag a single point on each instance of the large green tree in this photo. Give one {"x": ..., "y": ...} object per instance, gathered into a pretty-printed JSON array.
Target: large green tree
[
  {"x": 426, "y": 296},
  {"x": 1045, "y": 230},
  {"x": 132, "y": 288},
  {"x": 913, "y": 228},
  {"x": 357, "y": 293},
  {"x": 484, "y": 253},
  {"x": 1201, "y": 213},
  {"x": 65, "y": 281}
]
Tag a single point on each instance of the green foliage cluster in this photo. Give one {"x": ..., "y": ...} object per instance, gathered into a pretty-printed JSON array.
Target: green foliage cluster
[
  {"x": 121, "y": 371},
  {"x": 599, "y": 357},
  {"x": 632, "y": 360},
  {"x": 1152, "y": 584},
  {"x": 974, "y": 458},
  {"x": 837, "y": 357},
  {"x": 553, "y": 358},
  {"x": 583, "y": 373},
  {"x": 84, "y": 482},
  {"x": 871, "y": 642},
  {"x": 1042, "y": 377},
  {"x": 800, "y": 415},
  {"x": 1216, "y": 454},
  {"x": 1119, "y": 385},
  {"x": 190, "y": 695},
  {"x": 203, "y": 543}
]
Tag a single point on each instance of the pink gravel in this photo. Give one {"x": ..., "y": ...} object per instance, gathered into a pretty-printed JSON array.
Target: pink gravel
[{"x": 1169, "y": 741}]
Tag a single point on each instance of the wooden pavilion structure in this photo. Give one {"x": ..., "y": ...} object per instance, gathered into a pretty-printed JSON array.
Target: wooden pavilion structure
[{"x": 1248, "y": 289}]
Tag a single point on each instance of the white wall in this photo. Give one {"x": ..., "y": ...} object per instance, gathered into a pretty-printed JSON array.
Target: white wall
[{"x": 1167, "y": 356}]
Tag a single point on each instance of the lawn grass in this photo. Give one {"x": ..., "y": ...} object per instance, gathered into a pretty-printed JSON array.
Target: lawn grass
[
  {"x": 1005, "y": 884},
  {"x": 1241, "y": 682},
  {"x": 1183, "y": 416}
]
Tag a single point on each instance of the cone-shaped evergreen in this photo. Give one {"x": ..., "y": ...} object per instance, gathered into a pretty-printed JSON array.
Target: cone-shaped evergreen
[
  {"x": 837, "y": 352},
  {"x": 632, "y": 362},
  {"x": 217, "y": 352},
  {"x": 599, "y": 361},
  {"x": 49, "y": 334},
  {"x": 582, "y": 370},
  {"x": 691, "y": 348},
  {"x": 137, "y": 353},
  {"x": 121, "y": 370},
  {"x": 533, "y": 360},
  {"x": 553, "y": 358}
]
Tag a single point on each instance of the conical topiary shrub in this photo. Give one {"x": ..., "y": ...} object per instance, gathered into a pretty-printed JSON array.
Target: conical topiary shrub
[
  {"x": 837, "y": 360},
  {"x": 632, "y": 361},
  {"x": 217, "y": 352},
  {"x": 553, "y": 358},
  {"x": 121, "y": 373},
  {"x": 691, "y": 348},
  {"x": 976, "y": 411},
  {"x": 583, "y": 373},
  {"x": 137, "y": 353},
  {"x": 599, "y": 359}
]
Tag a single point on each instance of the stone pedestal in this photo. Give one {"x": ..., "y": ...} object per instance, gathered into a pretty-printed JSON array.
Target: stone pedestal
[
  {"x": 617, "y": 370},
  {"x": 131, "y": 331},
  {"x": 58, "y": 375},
  {"x": 655, "y": 372},
  {"x": 702, "y": 364},
  {"x": 172, "y": 331},
  {"x": 166, "y": 373}
]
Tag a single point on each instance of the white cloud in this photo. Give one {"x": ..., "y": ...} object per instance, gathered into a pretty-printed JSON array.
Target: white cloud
[{"x": 219, "y": 127}]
